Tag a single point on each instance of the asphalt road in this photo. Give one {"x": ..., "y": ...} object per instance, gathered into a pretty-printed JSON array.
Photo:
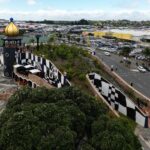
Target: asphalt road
[{"x": 141, "y": 81}]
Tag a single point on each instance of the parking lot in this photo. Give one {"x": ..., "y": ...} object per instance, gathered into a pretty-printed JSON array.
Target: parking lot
[{"x": 141, "y": 81}]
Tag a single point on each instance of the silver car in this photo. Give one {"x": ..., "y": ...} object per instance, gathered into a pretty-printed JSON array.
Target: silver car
[{"x": 141, "y": 69}]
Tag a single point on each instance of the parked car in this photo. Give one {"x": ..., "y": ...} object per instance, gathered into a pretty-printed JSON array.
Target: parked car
[
  {"x": 141, "y": 69},
  {"x": 107, "y": 53},
  {"x": 140, "y": 57},
  {"x": 147, "y": 68},
  {"x": 124, "y": 58}
]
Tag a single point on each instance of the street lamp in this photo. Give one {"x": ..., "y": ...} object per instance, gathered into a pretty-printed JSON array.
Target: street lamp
[{"x": 37, "y": 40}]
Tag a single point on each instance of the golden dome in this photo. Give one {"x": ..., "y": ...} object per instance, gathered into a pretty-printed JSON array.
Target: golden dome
[{"x": 11, "y": 30}]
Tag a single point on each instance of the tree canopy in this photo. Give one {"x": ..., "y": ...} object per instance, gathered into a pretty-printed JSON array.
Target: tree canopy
[
  {"x": 101, "y": 23},
  {"x": 146, "y": 52},
  {"x": 61, "y": 119},
  {"x": 71, "y": 59},
  {"x": 125, "y": 51}
]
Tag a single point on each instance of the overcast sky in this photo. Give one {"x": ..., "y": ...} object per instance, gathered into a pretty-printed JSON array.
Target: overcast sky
[{"x": 75, "y": 9}]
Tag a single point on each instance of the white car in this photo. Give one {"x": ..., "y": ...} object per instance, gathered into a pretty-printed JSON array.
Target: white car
[
  {"x": 124, "y": 58},
  {"x": 141, "y": 69},
  {"x": 107, "y": 53}
]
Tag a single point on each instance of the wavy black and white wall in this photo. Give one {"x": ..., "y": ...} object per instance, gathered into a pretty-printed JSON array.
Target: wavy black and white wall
[
  {"x": 119, "y": 101},
  {"x": 51, "y": 73}
]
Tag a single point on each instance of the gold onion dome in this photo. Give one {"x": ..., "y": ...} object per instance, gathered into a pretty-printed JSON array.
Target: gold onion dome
[{"x": 11, "y": 29}]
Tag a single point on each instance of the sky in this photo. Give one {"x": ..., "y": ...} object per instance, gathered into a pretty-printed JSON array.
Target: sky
[{"x": 75, "y": 9}]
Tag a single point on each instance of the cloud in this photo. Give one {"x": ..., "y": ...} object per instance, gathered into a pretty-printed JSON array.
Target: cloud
[
  {"x": 31, "y": 2},
  {"x": 4, "y": 1},
  {"x": 59, "y": 14}
]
